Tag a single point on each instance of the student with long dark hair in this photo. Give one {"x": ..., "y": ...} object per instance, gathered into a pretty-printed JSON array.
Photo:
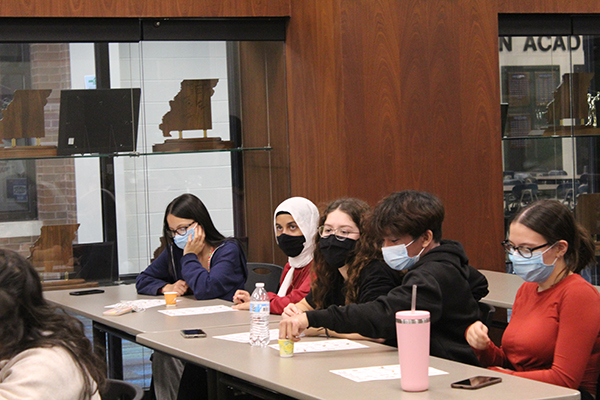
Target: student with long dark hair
[
  {"x": 44, "y": 353},
  {"x": 197, "y": 257},
  {"x": 553, "y": 334},
  {"x": 199, "y": 260}
]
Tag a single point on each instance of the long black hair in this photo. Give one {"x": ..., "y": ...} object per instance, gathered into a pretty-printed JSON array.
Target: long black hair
[
  {"x": 27, "y": 321},
  {"x": 188, "y": 206}
]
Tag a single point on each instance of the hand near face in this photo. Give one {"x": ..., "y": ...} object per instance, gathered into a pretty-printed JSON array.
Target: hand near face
[
  {"x": 196, "y": 244},
  {"x": 291, "y": 328},
  {"x": 180, "y": 287},
  {"x": 477, "y": 336}
]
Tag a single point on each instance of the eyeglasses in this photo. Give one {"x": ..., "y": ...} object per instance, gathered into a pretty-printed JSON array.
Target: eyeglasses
[
  {"x": 341, "y": 234},
  {"x": 179, "y": 231},
  {"x": 525, "y": 252}
]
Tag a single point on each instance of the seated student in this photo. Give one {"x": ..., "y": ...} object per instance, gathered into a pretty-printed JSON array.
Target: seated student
[
  {"x": 410, "y": 226},
  {"x": 197, "y": 256},
  {"x": 553, "y": 334},
  {"x": 295, "y": 222},
  {"x": 44, "y": 353},
  {"x": 349, "y": 267},
  {"x": 197, "y": 259}
]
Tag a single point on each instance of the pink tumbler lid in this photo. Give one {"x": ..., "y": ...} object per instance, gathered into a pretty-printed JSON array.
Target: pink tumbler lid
[{"x": 412, "y": 317}]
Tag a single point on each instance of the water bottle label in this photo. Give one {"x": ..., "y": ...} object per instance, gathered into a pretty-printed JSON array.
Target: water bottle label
[{"x": 259, "y": 308}]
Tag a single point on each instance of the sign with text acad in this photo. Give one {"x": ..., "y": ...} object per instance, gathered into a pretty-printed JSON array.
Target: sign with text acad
[{"x": 541, "y": 43}]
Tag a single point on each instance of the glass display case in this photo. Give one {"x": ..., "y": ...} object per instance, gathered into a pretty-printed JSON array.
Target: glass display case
[
  {"x": 104, "y": 122},
  {"x": 550, "y": 88}
]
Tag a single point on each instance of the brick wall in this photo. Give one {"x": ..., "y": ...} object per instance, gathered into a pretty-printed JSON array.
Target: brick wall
[{"x": 50, "y": 69}]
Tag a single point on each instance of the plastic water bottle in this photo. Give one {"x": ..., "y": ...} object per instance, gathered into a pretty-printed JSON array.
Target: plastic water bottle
[{"x": 259, "y": 316}]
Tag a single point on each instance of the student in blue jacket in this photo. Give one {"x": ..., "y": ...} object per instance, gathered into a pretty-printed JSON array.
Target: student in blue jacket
[{"x": 198, "y": 259}]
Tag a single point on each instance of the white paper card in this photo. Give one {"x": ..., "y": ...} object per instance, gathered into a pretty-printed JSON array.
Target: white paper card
[
  {"x": 196, "y": 311},
  {"x": 324, "y": 345},
  {"x": 244, "y": 337},
  {"x": 378, "y": 373},
  {"x": 140, "y": 303}
]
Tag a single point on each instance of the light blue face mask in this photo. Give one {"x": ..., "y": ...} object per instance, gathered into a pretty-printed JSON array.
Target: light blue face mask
[
  {"x": 397, "y": 256},
  {"x": 181, "y": 240},
  {"x": 532, "y": 269}
]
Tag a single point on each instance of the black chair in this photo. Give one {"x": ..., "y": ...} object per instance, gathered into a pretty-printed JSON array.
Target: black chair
[
  {"x": 121, "y": 390},
  {"x": 486, "y": 313},
  {"x": 270, "y": 274}
]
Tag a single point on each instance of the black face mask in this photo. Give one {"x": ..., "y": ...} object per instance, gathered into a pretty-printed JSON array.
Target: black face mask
[
  {"x": 292, "y": 246},
  {"x": 336, "y": 252}
]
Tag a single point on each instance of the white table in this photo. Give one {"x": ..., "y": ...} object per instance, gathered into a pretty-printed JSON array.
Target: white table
[{"x": 307, "y": 375}]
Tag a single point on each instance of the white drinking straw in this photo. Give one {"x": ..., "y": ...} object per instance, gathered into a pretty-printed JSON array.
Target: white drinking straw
[{"x": 414, "y": 299}]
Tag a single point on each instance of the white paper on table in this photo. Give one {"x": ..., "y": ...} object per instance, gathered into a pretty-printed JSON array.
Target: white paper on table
[
  {"x": 196, "y": 310},
  {"x": 324, "y": 345},
  {"x": 378, "y": 373},
  {"x": 244, "y": 337},
  {"x": 140, "y": 303}
]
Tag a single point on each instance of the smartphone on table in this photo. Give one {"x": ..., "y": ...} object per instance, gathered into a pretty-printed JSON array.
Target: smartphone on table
[
  {"x": 193, "y": 333},
  {"x": 85, "y": 292},
  {"x": 476, "y": 382}
]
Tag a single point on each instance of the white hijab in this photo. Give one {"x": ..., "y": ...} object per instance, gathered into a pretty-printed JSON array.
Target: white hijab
[{"x": 306, "y": 215}]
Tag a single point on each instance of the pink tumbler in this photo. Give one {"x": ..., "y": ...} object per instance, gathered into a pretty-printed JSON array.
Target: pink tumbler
[{"x": 412, "y": 331}]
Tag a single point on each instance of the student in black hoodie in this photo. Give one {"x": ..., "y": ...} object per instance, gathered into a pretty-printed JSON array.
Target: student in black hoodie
[{"x": 409, "y": 224}]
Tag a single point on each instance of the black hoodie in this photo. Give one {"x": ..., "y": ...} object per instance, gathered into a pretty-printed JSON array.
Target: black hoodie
[{"x": 447, "y": 286}]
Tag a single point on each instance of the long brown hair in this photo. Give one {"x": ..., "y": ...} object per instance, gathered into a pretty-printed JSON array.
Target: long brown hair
[
  {"x": 324, "y": 274},
  {"x": 554, "y": 221},
  {"x": 28, "y": 321},
  {"x": 368, "y": 249}
]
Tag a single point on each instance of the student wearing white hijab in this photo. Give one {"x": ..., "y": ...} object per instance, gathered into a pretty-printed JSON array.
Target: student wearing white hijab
[{"x": 296, "y": 222}]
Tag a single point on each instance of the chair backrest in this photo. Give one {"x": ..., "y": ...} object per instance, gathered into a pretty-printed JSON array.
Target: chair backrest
[
  {"x": 486, "y": 313},
  {"x": 270, "y": 274},
  {"x": 121, "y": 390}
]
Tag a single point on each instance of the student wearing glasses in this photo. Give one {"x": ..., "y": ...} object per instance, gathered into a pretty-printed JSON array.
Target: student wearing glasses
[
  {"x": 295, "y": 222},
  {"x": 409, "y": 224},
  {"x": 197, "y": 258},
  {"x": 553, "y": 334},
  {"x": 349, "y": 267}
]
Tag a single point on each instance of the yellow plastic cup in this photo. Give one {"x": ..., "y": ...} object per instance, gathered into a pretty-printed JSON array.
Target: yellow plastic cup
[
  {"x": 286, "y": 348},
  {"x": 170, "y": 299}
]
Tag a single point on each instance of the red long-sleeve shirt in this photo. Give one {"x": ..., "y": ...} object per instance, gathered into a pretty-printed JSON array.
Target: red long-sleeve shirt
[
  {"x": 553, "y": 335},
  {"x": 297, "y": 291}
]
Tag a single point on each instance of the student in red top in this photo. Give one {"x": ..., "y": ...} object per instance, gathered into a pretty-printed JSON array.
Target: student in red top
[
  {"x": 553, "y": 334},
  {"x": 295, "y": 221}
]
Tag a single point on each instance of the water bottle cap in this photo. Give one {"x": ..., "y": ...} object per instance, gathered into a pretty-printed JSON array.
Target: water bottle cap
[{"x": 260, "y": 284}]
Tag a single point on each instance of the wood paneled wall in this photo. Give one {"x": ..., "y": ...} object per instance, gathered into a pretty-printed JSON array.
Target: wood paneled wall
[
  {"x": 144, "y": 8},
  {"x": 549, "y": 6},
  {"x": 390, "y": 95},
  {"x": 382, "y": 95}
]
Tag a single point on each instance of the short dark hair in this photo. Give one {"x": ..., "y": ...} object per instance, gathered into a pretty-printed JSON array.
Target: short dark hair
[
  {"x": 409, "y": 212},
  {"x": 554, "y": 221}
]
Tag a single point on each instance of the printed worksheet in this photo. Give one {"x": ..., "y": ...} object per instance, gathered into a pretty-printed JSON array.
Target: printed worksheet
[
  {"x": 196, "y": 311},
  {"x": 143, "y": 304},
  {"x": 244, "y": 337},
  {"x": 378, "y": 373},
  {"x": 325, "y": 345}
]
